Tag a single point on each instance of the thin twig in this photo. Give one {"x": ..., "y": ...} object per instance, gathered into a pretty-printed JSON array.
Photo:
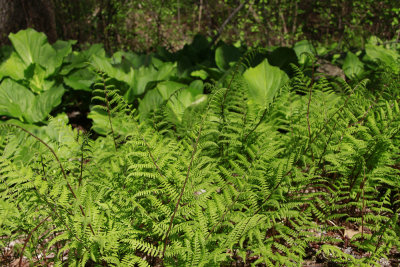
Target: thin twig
[{"x": 228, "y": 19}]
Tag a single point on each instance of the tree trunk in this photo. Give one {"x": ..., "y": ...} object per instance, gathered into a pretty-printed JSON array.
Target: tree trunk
[
  {"x": 16, "y": 15},
  {"x": 40, "y": 15},
  {"x": 11, "y": 19}
]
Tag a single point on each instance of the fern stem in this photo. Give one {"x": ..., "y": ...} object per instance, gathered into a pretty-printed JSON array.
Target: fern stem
[
  {"x": 326, "y": 147},
  {"x": 365, "y": 159},
  {"x": 333, "y": 115},
  {"x": 183, "y": 188},
  {"x": 109, "y": 112},
  {"x": 268, "y": 197},
  {"x": 256, "y": 126},
  {"x": 270, "y": 194},
  {"x": 51, "y": 205},
  {"x": 29, "y": 237},
  {"x": 43, "y": 170},
  {"x": 52, "y": 152},
  {"x": 235, "y": 71},
  {"x": 187, "y": 177},
  {"x": 151, "y": 154},
  {"x": 363, "y": 206},
  {"x": 223, "y": 216},
  {"x": 59, "y": 163},
  {"x": 334, "y": 126},
  {"x": 230, "y": 206},
  {"x": 366, "y": 112},
  {"x": 81, "y": 165},
  {"x": 308, "y": 120}
]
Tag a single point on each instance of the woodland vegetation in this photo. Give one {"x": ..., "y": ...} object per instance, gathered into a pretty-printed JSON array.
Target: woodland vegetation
[{"x": 200, "y": 133}]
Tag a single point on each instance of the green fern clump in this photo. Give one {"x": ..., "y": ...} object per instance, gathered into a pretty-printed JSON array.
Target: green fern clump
[{"x": 239, "y": 182}]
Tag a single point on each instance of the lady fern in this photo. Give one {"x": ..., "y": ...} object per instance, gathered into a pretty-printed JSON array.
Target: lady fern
[{"x": 265, "y": 185}]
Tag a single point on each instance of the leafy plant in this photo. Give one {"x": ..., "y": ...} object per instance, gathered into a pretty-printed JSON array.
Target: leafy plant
[
  {"x": 33, "y": 64},
  {"x": 258, "y": 183},
  {"x": 19, "y": 102},
  {"x": 264, "y": 81},
  {"x": 353, "y": 67}
]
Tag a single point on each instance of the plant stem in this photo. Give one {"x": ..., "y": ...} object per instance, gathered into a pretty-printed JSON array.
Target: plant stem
[
  {"x": 59, "y": 163},
  {"x": 29, "y": 237}
]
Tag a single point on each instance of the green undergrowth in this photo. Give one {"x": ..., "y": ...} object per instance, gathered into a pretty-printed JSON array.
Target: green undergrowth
[
  {"x": 39, "y": 79},
  {"x": 228, "y": 179}
]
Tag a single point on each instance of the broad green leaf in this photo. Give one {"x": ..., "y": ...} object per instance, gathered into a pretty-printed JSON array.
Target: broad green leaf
[
  {"x": 45, "y": 102},
  {"x": 29, "y": 45},
  {"x": 145, "y": 77},
  {"x": 95, "y": 49},
  {"x": 196, "y": 87},
  {"x": 167, "y": 88},
  {"x": 157, "y": 63},
  {"x": 78, "y": 60},
  {"x": 15, "y": 100},
  {"x": 178, "y": 95},
  {"x": 150, "y": 101},
  {"x": 352, "y": 66},
  {"x": 374, "y": 40},
  {"x": 129, "y": 59},
  {"x": 101, "y": 123},
  {"x": 302, "y": 48},
  {"x": 81, "y": 79},
  {"x": 141, "y": 78},
  {"x": 380, "y": 54},
  {"x": 63, "y": 48},
  {"x": 166, "y": 70},
  {"x": 13, "y": 67},
  {"x": 33, "y": 47},
  {"x": 103, "y": 64},
  {"x": 37, "y": 79},
  {"x": 199, "y": 102},
  {"x": 189, "y": 96},
  {"x": 202, "y": 74},
  {"x": 19, "y": 102},
  {"x": 225, "y": 55},
  {"x": 178, "y": 103},
  {"x": 264, "y": 81}
]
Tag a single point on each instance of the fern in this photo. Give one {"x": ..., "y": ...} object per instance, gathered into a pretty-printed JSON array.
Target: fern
[{"x": 239, "y": 182}]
